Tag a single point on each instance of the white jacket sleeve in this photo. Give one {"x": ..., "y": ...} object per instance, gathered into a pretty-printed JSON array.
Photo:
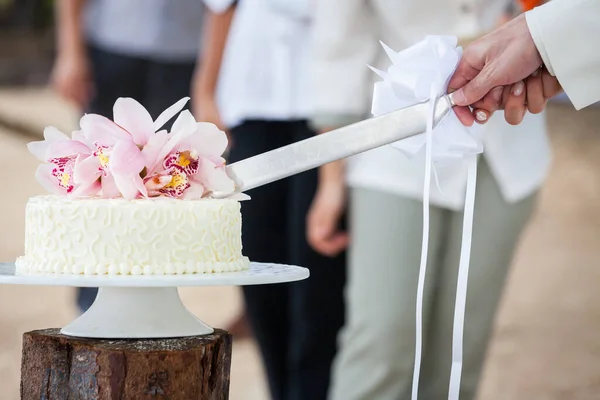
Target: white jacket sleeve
[
  {"x": 566, "y": 33},
  {"x": 344, "y": 44}
]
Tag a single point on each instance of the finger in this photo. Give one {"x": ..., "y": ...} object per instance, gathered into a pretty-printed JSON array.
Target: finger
[
  {"x": 476, "y": 89},
  {"x": 318, "y": 231},
  {"x": 481, "y": 116},
  {"x": 491, "y": 102},
  {"x": 464, "y": 74},
  {"x": 465, "y": 115},
  {"x": 506, "y": 95},
  {"x": 338, "y": 243},
  {"x": 550, "y": 84},
  {"x": 322, "y": 234},
  {"x": 333, "y": 245},
  {"x": 514, "y": 108},
  {"x": 536, "y": 102}
]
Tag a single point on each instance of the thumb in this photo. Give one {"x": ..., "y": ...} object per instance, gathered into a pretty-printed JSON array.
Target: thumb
[{"x": 474, "y": 90}]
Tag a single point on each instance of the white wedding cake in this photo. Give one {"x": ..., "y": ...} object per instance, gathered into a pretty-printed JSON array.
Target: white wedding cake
[
  {"x": 130, "y": 199},
  {"x": 138, "y": 237}
]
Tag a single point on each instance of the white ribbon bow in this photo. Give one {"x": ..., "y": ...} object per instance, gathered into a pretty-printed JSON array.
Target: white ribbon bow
[
  {"x": 414, "y": 73},
  {"x": 421, "y": 73}
]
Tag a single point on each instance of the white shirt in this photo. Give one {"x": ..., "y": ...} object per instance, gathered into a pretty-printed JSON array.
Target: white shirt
[
  {"x": 264, "y": 72},
  {"x": 346, "y": 40},
  {"x": 156, "y": 29}
]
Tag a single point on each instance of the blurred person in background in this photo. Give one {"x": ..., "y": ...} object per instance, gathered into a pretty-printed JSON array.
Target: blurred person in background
[
  {"x": 259, "y": 93},
  {"x": 143, "y": 49},
  {"x": 376, "y": 357}
]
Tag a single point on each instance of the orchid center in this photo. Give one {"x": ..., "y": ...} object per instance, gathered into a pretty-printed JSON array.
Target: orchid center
[
  {"x": 177, "y": 180},
  {"x": 177, "y": 185},
  {"x": 103, "y": 158},
  {"x": 63, "y": 171},
  {"x": 184, "y": 161}
]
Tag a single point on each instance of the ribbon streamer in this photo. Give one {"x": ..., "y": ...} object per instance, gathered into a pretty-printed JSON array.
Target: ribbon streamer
[
  {"x": 461, "y": 285},
  {"x": 418, "y": 74},
  {"x": 424, "y": 245}
]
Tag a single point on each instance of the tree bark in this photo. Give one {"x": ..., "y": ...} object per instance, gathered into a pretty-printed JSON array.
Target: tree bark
[{"x": 58, "y": 367}]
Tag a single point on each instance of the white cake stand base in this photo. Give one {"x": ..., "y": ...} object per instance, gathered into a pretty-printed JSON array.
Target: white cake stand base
[
  {"x": 137, "y": 312},
  {"x": 136, "y": 307}
]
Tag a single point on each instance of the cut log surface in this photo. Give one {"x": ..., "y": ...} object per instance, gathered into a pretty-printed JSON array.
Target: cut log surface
[{"x": 58, "y": 367}]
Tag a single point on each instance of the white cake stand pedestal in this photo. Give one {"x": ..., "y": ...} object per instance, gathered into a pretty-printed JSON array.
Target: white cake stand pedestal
[{"x": 145, "y": 307}]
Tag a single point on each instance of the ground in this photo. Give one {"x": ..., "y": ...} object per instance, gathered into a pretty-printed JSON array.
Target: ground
[{"x": 546, "y": 344}]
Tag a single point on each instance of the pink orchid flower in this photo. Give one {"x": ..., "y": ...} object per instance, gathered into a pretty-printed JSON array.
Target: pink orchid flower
[
  {"x": 135, "y": 119},
  {"x": 123, "y": 148},
  {"x": 116, "y": 161},
  {"x": 192, "y": 165},
  {"x": 60, "y": 154},
  {"x": 130, "y": 157}
]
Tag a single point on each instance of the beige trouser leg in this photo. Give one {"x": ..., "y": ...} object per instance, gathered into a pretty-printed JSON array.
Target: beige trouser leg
[{"x": 376, "y": 357}]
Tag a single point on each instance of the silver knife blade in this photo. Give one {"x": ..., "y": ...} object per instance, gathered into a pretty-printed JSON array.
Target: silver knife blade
[{"x": 334, "y": 145}]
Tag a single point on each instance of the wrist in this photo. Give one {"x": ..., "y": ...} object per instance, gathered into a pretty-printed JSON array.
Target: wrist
[
  {"x": 332, "y": 173},
  {"x": 205, "y": 97},
  {"x": 331, "y": 191},
  {"x": 72, "y": 53},
  {"x": 201, "y": 91}
]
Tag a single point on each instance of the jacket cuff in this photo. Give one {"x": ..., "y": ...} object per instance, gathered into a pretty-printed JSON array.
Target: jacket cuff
[{"x": 532, "y": 18}]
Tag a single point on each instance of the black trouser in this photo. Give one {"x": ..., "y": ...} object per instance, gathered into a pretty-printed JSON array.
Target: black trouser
[
  {"x": 295, "y": 324},
  {"x": 156, "y": 85}
]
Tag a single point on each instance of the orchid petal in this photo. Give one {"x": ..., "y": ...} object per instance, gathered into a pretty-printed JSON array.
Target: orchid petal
[
  {"x": 126, "y": 163},
  {"x": 87, "y": 190},
  {"x": 138, "y": 182},
  {"x": 169, "y": 113},
  {"x": 208, "y": 140},
  {"x": 134, "y": 118},
  {"x": 239, "y": 197},
  {"x": 109, "y": 187},
  {"x": 218, "y": 161},
  {"x": 80, "y": 136},
  {"x": 157, "y": 182},
  {"x": 44, "y": 176},
  {"x": 194, "y": 192},
  {"x": 87, "y": 169},
  {"x": 102, "y": 130},
  {"x": 183, "y": 127},
  {"x": 40, "y": 150},
  {"x": 126, "y": 159},
  {"x": 55, "y": 144},
  {"x": 52, "y": 133},
  {"x": 151, "y": 150},
  {"x": 126, "y": 186},
  {"x": 214, "y": 178},
  {"x": 47, "y": 149}
]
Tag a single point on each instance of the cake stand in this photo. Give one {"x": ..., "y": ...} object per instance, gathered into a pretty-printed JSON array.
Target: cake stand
[{"x": 144, "y": 307}]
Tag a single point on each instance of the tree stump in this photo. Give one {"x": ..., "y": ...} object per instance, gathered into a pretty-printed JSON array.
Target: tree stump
[{"x": 58, "y": 367}]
